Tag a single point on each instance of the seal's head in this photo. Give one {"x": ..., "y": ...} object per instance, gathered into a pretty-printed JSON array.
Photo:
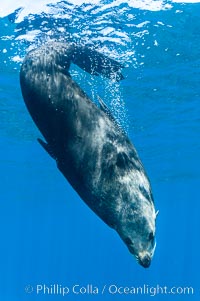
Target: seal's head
[{"x": 137, "y": 229}]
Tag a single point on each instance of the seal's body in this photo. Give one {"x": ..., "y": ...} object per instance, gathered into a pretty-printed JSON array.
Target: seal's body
[{"x": 91, "y": 150}]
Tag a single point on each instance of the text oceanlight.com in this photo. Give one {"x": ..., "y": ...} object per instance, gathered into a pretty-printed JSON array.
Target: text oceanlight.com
[{"x": 111, "y": 289}]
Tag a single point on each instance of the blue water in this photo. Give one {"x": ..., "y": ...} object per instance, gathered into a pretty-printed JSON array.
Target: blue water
[{"x": 48, "y": 235}]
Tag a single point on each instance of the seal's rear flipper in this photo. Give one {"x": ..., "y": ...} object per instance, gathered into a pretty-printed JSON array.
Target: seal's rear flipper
[{"x": 96, "y": 63}]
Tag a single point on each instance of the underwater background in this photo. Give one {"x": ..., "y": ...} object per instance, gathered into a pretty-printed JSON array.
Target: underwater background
[{"x": 48, "y": 236}]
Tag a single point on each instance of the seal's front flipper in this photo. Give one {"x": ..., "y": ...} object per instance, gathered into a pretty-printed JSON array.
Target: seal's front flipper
[
  {"x": 104, "y": 108},
  {"x": 47, "y": 148},
  {"x": 97, "y": 63}
]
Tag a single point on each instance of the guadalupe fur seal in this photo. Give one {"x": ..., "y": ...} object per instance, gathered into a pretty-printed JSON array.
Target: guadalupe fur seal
[{"x": 90, "y": 148}]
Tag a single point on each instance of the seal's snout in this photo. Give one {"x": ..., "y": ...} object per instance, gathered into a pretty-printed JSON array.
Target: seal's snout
[{"x": 145, "y": 260}]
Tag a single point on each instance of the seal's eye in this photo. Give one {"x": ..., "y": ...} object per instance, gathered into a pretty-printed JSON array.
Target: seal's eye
[
  {"x": 151, "y": 236},
  {"x": 128, "y": 241}
]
